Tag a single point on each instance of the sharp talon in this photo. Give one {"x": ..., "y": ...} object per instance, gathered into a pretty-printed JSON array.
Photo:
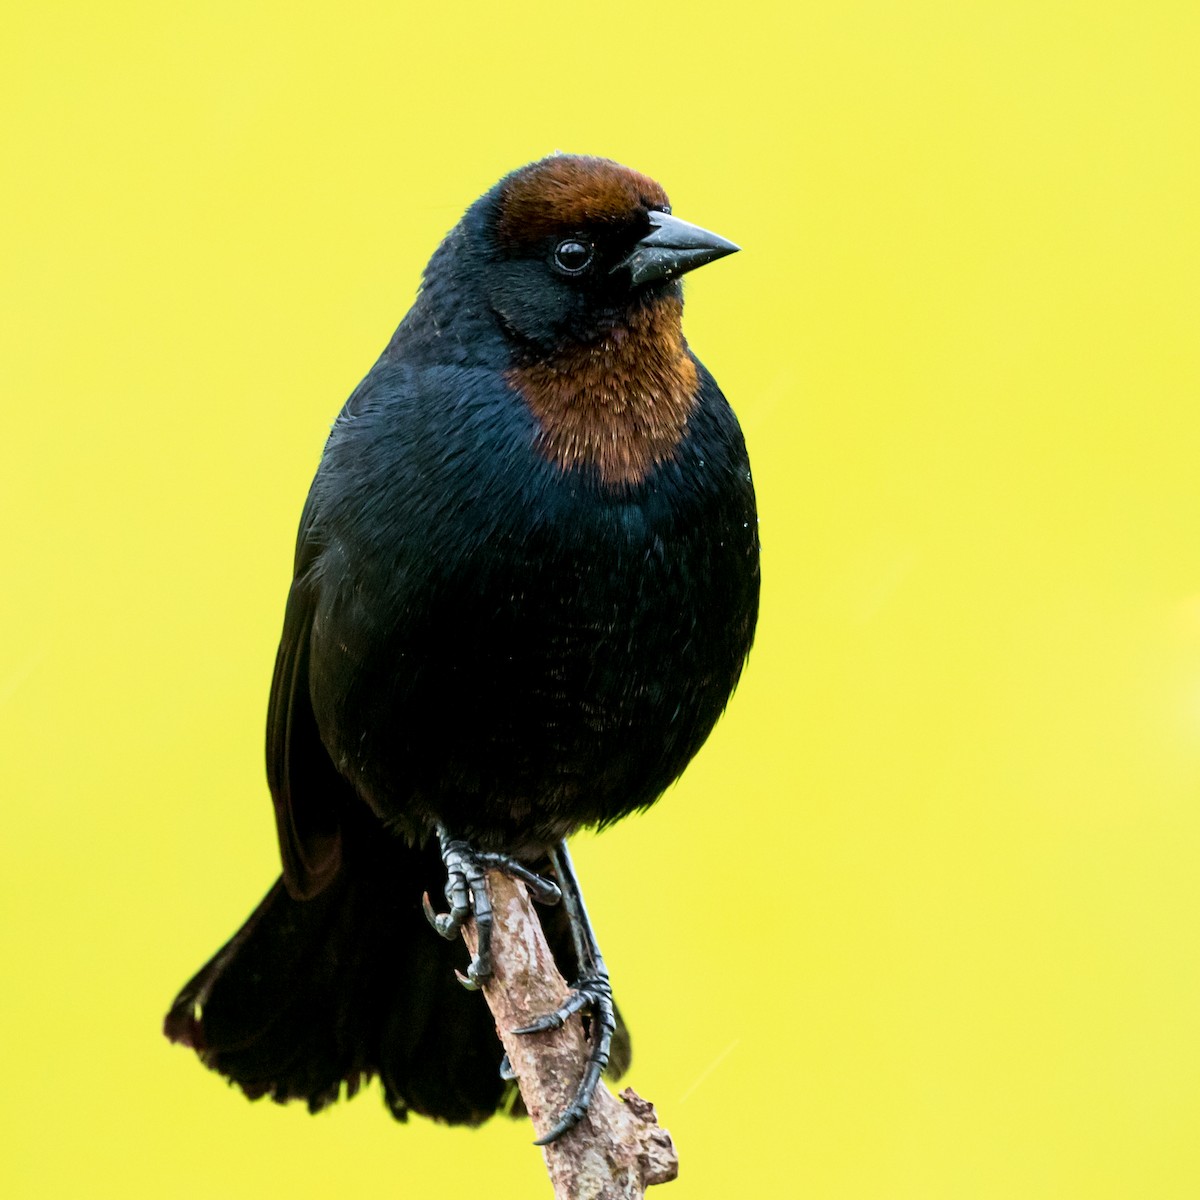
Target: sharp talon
[
  {"x": 566, "y": 1123},
  {"x": 543, "y": 891},
  {"x": 579, "y": 999},
  {"x": 446, "y": 924},
  {"x": 506, "y": 1071},
  {"x": 466, "y": 980},
  {"x": 549, "y": 1021}
]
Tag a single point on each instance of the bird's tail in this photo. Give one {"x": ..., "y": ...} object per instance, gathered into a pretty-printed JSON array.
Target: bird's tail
[{"x": 311, "y": 995}]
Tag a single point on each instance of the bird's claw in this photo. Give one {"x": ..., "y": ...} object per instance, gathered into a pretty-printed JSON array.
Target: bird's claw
[
  {"x": 541, "y": 890},
  {"x": 592, "y": 993},
  {"x": 470, "y": 980},
  {"x": 467, "y": 895},
  {"x": 442, "y": 923}
]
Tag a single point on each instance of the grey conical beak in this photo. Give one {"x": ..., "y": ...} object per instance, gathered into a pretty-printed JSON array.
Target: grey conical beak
[{"x": 671, "y": 248}]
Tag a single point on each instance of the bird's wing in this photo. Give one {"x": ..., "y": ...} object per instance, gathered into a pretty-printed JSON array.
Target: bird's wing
[{"x": 308, "y": 792}]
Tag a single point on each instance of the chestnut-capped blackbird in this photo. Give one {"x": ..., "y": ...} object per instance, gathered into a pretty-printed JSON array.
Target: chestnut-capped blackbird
[{"x": 526, "y": 582}]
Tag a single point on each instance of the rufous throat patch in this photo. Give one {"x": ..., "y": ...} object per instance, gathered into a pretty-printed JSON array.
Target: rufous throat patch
[{"x": 621, "y": 403}]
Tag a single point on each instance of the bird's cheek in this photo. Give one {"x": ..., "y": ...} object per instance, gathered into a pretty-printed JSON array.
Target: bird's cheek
[{"x": 538, "y": 309}]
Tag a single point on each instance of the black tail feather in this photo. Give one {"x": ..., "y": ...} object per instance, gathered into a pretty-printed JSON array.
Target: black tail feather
[{"x": 314, "y": 996}]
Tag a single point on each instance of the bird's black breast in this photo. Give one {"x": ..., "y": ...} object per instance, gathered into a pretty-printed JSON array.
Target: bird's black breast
[{"x": 511, "y": 648}]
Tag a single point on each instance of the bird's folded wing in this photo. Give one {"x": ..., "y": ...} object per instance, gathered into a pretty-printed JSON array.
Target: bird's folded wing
[{"x": 306, "y": 788}]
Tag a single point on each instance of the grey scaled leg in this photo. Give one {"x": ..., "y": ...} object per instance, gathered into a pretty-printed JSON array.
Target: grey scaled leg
[
  {"x": 466, "y": 893},
  {"x": 591, "y": 992}
]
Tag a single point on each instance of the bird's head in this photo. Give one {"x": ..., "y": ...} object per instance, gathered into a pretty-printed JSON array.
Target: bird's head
[
  {"x": 572, "y": 244},
  {"x": 565, "y": 276}
]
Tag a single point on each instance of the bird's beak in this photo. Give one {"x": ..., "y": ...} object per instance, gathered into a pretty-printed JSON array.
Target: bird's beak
[{"x": 672, "y": 247}]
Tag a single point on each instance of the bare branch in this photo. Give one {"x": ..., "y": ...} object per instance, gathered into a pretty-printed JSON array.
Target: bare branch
[{"x": 618, "y": 1149}]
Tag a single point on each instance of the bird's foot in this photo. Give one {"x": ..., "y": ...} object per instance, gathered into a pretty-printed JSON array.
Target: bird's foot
[
  {"x": 467, "y": 895},
  {"x": 591, "y": 994}
]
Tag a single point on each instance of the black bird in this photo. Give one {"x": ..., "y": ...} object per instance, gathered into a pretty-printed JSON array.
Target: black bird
[{"x": 526, "y": 582}]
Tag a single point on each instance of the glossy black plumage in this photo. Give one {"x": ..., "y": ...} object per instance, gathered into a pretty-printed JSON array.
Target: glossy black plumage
[{"x": 482, "y": 632}]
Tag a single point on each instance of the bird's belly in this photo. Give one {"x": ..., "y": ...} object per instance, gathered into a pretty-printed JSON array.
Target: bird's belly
[{"x": 523, "y": 720}]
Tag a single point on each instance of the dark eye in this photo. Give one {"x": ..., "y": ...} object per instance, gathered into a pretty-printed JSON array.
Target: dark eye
[{"x": 572, "y": 255}]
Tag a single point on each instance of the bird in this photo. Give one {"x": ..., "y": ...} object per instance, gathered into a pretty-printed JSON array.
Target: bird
[{"x": 526, "y": 584}]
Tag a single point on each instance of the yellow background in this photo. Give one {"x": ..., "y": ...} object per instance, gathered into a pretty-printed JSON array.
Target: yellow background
[{"x": 923, "y": 918}]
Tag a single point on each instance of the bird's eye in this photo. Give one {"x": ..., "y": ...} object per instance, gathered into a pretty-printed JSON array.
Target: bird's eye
[{"x": 572, "y": 255}]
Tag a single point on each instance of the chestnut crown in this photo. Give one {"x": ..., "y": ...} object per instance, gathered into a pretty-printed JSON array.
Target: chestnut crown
[{"x": 574, "y": 244}]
